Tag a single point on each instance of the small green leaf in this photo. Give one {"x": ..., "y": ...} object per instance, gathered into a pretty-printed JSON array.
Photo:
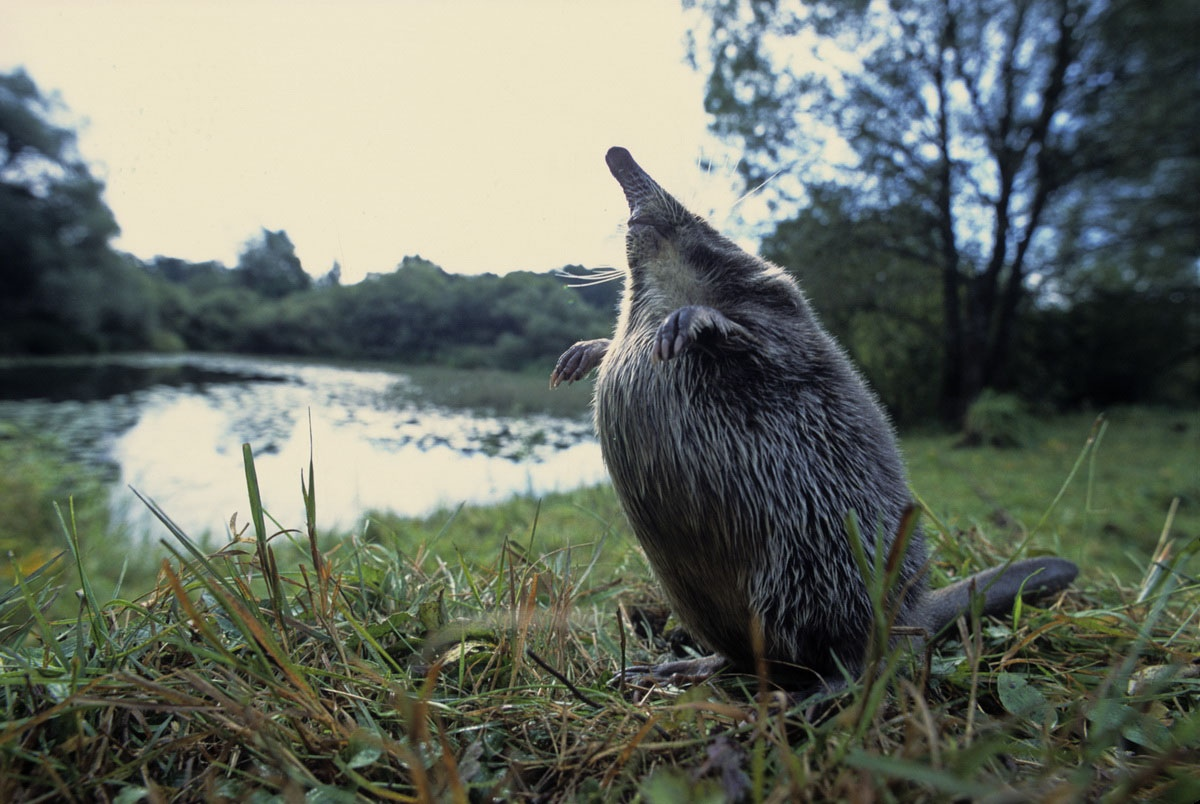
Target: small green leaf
[
  {"x": 1109, "y": 715},
  {"x": 363, "y": 748},
  {"x": 131, "y": 795},
  {"x": 1024, "y": 700},
  {"x": 1147, "y": 732},
  {"x": 432, "y": 613}
]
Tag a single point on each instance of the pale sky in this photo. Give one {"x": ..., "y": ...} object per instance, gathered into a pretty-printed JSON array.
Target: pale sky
[{"x": 471, "y": 133}]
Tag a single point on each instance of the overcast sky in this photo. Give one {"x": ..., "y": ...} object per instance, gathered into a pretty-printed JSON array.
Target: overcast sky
[{"x": 471, "y": 133}]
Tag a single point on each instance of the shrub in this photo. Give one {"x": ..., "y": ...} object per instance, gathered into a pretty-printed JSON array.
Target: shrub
[{"x": 998, "y": 420}]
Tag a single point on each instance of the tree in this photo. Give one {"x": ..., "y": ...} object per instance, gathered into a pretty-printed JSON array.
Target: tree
[
  {"x": 981, "y": 128},
  {"x": 880, "y": 304},
  {"x": 62, "y": 287},
  {"x": 1134, "y": 221},
  {"x": 269, "y": 265}
]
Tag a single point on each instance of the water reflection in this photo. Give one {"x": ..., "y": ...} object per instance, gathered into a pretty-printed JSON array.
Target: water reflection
[
  {"x": 88, "y": 379},
  {"x": 179, "y": 442}
]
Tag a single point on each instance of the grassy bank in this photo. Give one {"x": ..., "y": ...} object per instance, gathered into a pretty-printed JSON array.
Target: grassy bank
[
  {"x": 1098, "y": 490},
  {"x": 465, "y": 657}
]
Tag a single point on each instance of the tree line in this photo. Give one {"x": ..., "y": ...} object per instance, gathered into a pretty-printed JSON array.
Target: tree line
[
  {"x": 1002, "y": 223},
  {"x": 418, "y": 313},
  {"x": 268, "y": 304}
]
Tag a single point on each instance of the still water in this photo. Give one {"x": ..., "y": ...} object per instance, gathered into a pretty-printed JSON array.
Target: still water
[{"x": 172, "y": 427}]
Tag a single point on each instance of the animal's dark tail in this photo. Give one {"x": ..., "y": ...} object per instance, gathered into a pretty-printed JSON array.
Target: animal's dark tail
[{"x": 999, "y": 587}]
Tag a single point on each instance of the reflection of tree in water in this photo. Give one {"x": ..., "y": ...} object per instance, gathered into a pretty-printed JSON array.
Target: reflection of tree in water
[
  {"x": 91, "y": 379},
  {"x": 259, "y": 415}
]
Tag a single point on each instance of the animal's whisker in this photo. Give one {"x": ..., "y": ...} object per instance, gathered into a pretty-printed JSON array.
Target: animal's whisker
[
  {"x": 598, "y": 276},
  {"x": 753, "y": 191}
]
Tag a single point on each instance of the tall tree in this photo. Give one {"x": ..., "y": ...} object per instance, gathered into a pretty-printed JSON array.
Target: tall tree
[
  {"x": 989, "y": 124},
  {"x": 62, "y": 287}
]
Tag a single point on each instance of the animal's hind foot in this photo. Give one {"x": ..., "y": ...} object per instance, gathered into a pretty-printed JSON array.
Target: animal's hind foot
[{"x": 678, "y": 674}]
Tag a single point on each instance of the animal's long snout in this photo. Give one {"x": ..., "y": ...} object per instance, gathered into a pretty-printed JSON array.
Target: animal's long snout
[
  {"x": 636, "y": 183},
  {"x": 646, "y": 198}
]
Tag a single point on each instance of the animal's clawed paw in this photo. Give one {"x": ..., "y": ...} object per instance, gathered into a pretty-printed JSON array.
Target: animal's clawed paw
[
  {"x": 576, "y": 362},
  {"x": 685, "y": 326},
  {"x": 675, "y": 334}
]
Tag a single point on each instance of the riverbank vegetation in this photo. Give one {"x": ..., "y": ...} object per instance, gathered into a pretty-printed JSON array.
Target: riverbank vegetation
[{"x": 466, "y": 657}]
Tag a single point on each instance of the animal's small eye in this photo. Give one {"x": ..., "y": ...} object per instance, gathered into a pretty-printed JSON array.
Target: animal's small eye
[{"x": 654, "y": 223}]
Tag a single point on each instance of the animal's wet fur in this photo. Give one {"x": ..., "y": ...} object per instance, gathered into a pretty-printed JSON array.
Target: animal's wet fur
[{"x": 739, "y": 438}]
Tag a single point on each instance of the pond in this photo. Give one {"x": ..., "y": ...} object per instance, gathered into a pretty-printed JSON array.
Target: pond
[{"x": 172, "y": 427}]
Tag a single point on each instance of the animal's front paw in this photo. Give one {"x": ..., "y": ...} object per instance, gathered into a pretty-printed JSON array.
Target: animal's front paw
[
  {"x": 577, "y": 361},
  {"x": 674, "y": 334},
  {"x": 685, "y": 326}
]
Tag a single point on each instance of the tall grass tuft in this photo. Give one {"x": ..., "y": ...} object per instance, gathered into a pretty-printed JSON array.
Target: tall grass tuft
[{"x": 369, "y": 671}]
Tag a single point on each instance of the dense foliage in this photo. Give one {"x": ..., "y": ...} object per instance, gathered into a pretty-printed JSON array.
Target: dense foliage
[
  {"x": 415, "y": 314},
  {"x": 978, "y": 184},
  {"x": 61, "y": 286}
]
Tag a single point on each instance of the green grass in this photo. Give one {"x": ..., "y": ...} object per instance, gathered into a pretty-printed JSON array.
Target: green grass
[
  {"x": 583, "y": 521},
  {"x": 1118, "y": 478},
  {"x": 465, "y": 656},
  {"x": 1112, "y": 513}
]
